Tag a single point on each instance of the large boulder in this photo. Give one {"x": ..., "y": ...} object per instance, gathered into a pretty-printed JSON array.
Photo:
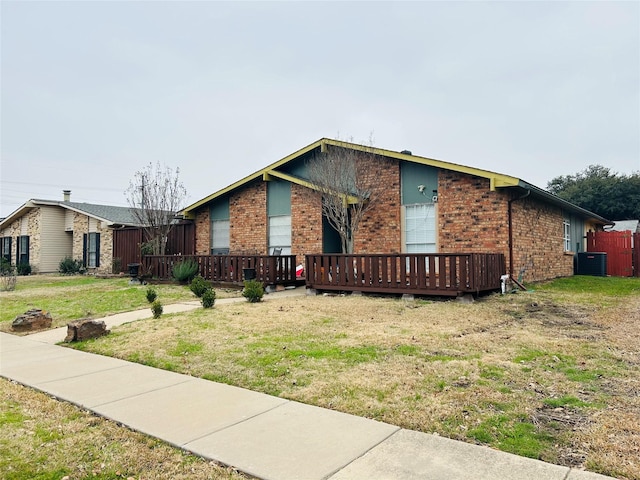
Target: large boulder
[
  {"x": 85, "y": 329},
  {"x": 34, "y": 319}
]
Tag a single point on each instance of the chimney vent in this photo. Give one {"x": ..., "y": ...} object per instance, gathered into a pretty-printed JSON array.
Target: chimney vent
[
  {"x": 66, "y": 195},
  {"x": 406, "y": 152}
]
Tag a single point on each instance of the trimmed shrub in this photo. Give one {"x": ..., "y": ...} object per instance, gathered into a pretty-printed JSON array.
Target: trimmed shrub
[
  {"x": 185, "y": 271},
  {"x": 156, "y": 309},
  {"x": 151, "y": 294},
  {"x": 23, "y": 269},
  {"x": 5, "y": 267},
  {"x": 253, "y": 291},
  {"x": 208, "y": 298},
  {"x": 69, "y": 266},
  {"x": 199, "y": 285}
]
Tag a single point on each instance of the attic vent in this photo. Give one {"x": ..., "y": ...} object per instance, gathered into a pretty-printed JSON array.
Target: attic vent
[{"x": 406, "y": 152}]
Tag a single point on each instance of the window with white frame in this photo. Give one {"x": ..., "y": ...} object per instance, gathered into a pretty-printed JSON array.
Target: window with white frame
[
  {"x": 280, "y": 234},
  {"x": 567, "y": 234},
  {"x": 420, "y": 228},
  {"x": 220, "y": 237}
]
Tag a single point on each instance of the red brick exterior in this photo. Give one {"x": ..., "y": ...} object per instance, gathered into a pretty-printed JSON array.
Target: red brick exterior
[
  {"x": 248, "y": 220},
  {"x": 538, "y": 244},
  {"x": 381, "y": 230},
  {"x": 306, "y": 222},
  {"x": 203, "y": 231},
  {"x": 471, "y": 218}
]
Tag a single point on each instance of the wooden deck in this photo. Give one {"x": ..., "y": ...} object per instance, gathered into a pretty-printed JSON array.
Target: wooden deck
[
  {"x": 269, "y": 269},
  {"x": 419, "y": 274}
]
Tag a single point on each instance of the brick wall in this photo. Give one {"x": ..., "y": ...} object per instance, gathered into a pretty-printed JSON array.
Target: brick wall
[
  {"x": 470, "y": 217},
  {"x": 381, "y": 230},
  {"x": 306, "y": 222},
  {"x": 203, "y": 231},
  {"x": 538, "y": 246},
  {"x": 248, "y": 220}
]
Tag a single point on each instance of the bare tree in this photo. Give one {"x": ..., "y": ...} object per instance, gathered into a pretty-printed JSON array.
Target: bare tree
[
  {"x": 348, "y": 179},
  {"x": 155, "y": 195}
]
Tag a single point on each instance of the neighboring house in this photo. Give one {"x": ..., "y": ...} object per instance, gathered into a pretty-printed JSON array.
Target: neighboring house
[
  {"x": 622, "y": 225},
  {"x": 43, "y": 232},
  {"x": 430, "y": 206}
]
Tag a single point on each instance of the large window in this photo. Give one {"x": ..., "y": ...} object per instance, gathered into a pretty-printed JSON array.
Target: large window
[
  {"x": 220, "y": 237},
  {"x": 5, "y": 248},
  {"x": 22, "y": 250},
  {"x": 567, "y": 235},
  {"x": 420, "y": 228},
  {"x": 280, "y": 235},
  {"x": 91, "y": 250}
]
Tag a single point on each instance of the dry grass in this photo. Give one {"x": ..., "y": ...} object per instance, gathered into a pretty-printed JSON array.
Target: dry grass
[
  {"x": 543, "y": 374},
  {"x": 46, "y": 439}
]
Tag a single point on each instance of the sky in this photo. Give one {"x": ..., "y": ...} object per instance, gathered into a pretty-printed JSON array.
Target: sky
[{"x": 92, "y": 92}]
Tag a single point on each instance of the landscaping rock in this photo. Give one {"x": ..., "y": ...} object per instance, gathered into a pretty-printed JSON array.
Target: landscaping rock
[
  {"x": 85, "y": 329},
  {"x": 31, "y": 320}
]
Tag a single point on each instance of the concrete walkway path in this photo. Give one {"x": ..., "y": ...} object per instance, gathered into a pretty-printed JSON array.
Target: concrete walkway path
[{"x": 264, "y": 436}]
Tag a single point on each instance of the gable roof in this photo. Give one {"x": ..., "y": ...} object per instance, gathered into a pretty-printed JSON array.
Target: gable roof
[
  {"x": 497, "y": 180},
  {"x": 111, "y": 215}
]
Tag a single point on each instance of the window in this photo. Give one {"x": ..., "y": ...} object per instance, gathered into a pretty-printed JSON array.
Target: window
[
  {"x": 280, "y": 234},
  {"x": 22, "y": 250},
  {"x": 91, "y": 250},
  {"x": 420, "y": 228},
  {"x": 5, "y": 248},
  {"x": 220, "y": 237},
  {"x": 567, "y": 234}
]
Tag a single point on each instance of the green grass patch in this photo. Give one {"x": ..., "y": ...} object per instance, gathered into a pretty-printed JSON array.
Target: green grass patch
[
  {"x": 609, "y": 286},
  {"x": 565, "y": 401}
]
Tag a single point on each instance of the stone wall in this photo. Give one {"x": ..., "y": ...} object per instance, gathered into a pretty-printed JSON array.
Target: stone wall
[{"x": 80, "y": 228}]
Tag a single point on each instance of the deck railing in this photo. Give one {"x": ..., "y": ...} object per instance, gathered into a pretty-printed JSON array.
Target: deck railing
[
  {"x": 269, "y": 269},
  {"x": 422, "y": 274}
]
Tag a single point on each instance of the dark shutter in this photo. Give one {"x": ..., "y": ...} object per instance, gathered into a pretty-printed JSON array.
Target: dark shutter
[
  {"x": 97, "y": 249},
  {"x": 17, "y": 250},
  {"x": 84, "y": 250},
  {"x": 26, "y": 253}
]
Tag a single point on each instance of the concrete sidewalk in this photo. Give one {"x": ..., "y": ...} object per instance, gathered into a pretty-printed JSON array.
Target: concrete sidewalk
[{"x": 263, "y": 436}]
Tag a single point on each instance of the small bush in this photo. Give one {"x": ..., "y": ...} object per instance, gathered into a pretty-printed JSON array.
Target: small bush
[
  {"x": 5, "y": 267},
  {"x": 23, "y": 269},
  {"x": 151, "y": 294},
  {"x": 185, "y": 271},
  {"x": 8, "y": 281},
  {"x": 253, "y": 291},
  {"x": 69, "y": 266},
  {"x": 116, "y": 266},
  {"x": 208, "y": 298},
  {"x": 156, "y": 309},
  {"x": 199, "y": 285}
]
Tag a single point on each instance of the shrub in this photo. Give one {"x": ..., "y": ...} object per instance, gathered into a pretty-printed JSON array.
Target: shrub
[
  {"x": 116, "y": 266},
  {"x": 69, "y": 266},
  {"x": 23, "y": 269},
  {"x": 184, "y": 271},
  {"x": 253, "y": 291},
  {"x": 199, "y": 285},
  {"x": 8, "y": 280},
  {"x": 208, "y": 298},
  {"x": 5, "y": 267},
  {"x": 156, "y": 309},
  {"x": 151, "y": 294}
]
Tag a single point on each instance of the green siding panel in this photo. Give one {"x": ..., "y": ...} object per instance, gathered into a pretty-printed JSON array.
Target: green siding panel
[
  {"x": 278, "y": 198},
  {"x": 219, "y": 210},
  {"x": 418, "y": 183}
]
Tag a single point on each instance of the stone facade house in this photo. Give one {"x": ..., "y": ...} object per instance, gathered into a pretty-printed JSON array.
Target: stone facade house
[
  {"x": 43, "y": 232},
  {"x": 428, "y": 206}
]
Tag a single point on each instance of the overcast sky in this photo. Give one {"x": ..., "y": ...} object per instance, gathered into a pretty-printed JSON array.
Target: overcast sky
[{"x": 91, "y": 92}]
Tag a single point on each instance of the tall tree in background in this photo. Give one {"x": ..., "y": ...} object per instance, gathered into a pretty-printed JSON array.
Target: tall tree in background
[
  {"x": 155, "y": 194},
  {"x": 348, "y": 179},
  {"x": 609, "y": 194}
]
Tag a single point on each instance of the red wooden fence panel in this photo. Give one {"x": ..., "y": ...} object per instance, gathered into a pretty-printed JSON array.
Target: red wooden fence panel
[
  {"x": 636, "y": 254},
  {"x": 617, "y": 246}
]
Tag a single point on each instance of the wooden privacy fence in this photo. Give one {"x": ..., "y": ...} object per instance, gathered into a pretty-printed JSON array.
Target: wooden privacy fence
[
  {"x": 622, "y": 249},
  {"x": 421, "y": 274},
  {"x": 268, "y": 269}
]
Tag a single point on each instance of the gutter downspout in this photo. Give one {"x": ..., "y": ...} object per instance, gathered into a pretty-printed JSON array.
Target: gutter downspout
[{"x": 510, "y": 217}]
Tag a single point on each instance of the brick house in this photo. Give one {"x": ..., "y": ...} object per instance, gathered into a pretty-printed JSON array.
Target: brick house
[
  {"x": 43, "y": 232},
  {"x": 428, "y": 206}
]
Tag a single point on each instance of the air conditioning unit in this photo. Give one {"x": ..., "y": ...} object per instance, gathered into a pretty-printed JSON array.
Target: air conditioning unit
[{"x": 591, "y": 263}]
